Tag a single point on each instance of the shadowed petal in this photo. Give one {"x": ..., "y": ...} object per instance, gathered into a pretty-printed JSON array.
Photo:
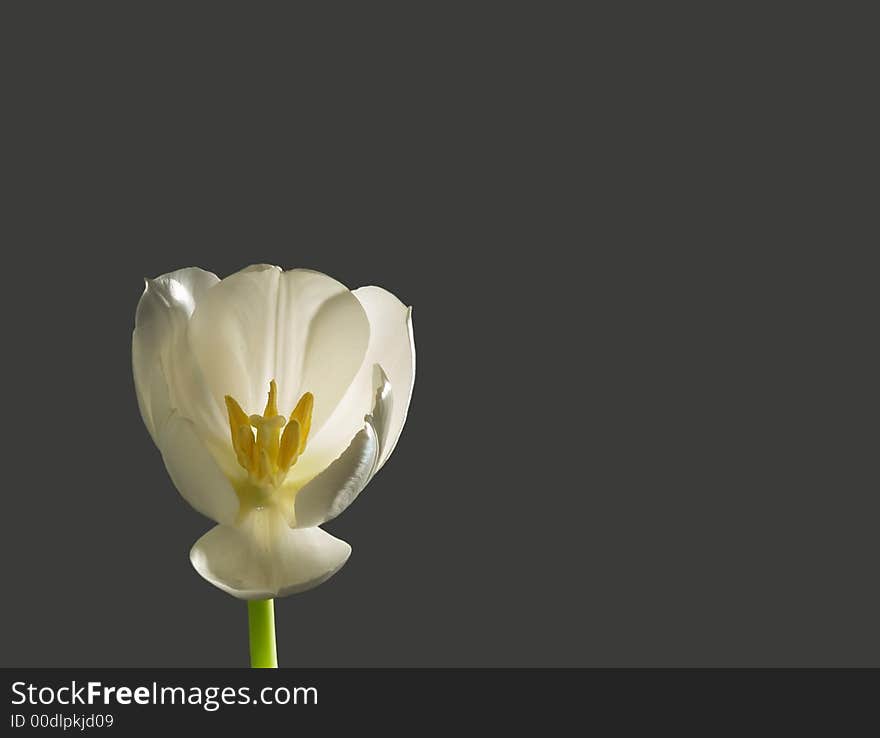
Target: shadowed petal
[{"x": 264, "y": 558}]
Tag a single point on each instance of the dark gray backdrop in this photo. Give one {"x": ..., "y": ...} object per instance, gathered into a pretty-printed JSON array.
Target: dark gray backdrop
[{"x": 615, "y": 453}]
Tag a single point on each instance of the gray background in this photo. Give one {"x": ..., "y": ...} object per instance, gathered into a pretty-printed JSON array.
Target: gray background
[{"x": 621, "y": 449}]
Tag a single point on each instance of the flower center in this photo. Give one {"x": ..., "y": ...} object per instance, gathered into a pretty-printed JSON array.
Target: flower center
[{"x": 268, "y": 455}]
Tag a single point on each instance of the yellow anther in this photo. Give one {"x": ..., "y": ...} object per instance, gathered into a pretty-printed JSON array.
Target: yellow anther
[
  {"x": 237, "y": 417},
  {"x": 268, "y": 456},
  {"x": 244, "y": 447},
  {"x": 272, "y": 402},
  {"x": 302, "y": 414},
  {"x": 240, "y": 429},
  {"x": 290, "y": 441}
]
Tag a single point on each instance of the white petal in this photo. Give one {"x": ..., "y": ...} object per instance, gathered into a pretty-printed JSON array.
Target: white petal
[
  {"x": 194, "y": 471},
  {"x": 164, "y": 308},
  {"x": 301, "y": 328},
  {"x": 392, "y": 346},
  {"x": 263, "y": 558},
  {"x": 382, "y": 412},
  {"x": 261, "y": 268},
  {"x": 334, "y": 489}
]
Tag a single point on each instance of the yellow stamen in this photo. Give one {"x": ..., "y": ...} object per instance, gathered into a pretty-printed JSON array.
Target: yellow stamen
[
  {"x": 289, "y": 445},
  {"x": 272, "y": 402},
  {"x": 237, "y": 416},
  {"x": 244, "y": 446},
  {"x": 240, "y": 429},
  {"x": 302, "y": 414},
  {"x": 268, "y": 455}
]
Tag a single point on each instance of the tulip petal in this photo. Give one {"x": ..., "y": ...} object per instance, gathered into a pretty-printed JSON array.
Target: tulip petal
[
  {"x": 164, "y": 308},
  {"x": 394, "y": 349},
  {"x": 301, "y": 328},
  {"x": 392, "y": 346},
  {"x": 335, "y": 488},
  {"x": 382, "y": 412},
  {"x": 264, "y": 558},
  {"x": 194, "y": 471}
]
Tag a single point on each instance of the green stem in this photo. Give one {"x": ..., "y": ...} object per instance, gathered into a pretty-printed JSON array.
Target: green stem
[{"x": 261, "y": 625}]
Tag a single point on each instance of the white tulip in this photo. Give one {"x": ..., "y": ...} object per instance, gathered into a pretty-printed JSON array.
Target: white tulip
[{"x": 273, "y": 397}]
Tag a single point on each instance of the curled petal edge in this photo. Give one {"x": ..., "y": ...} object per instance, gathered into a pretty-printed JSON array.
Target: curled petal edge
[{"x": 334, "y": 489}]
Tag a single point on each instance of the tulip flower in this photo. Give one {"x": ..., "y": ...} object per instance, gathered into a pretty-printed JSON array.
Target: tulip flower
[{"x": 273, "y": 397}]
